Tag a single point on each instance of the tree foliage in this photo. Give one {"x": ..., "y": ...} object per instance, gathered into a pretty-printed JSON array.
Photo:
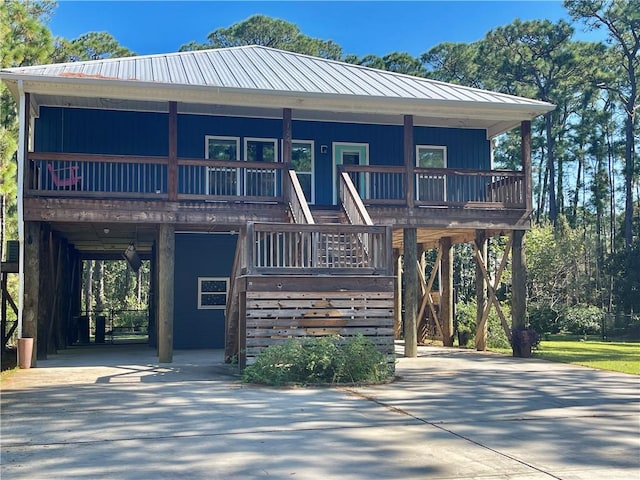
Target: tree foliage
[
  {"x": 585, "y": 163},
  {"x": 24, "y": 40},
  {"x": 90, "y": 46},
  {"x": 621, "y": 19},
  {"x": 268, "y": 32}
]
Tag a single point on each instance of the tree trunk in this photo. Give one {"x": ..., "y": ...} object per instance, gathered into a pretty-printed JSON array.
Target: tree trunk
[
  {"x": 139, "y": 287},
  {"x": 553, "y": 205},
  {"x": 99, "y": 280},
  {"x": 86, "y": 286},
  {"x": 628, "y": 182},
  {"x": 543, "y": 175},
  {"x": 576, "y": 193}
]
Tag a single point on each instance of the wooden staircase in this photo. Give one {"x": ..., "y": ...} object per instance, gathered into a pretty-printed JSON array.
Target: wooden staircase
[{"x": 321, "y": 274}]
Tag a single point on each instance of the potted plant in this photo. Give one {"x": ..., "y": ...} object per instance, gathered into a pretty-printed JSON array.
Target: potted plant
[{"x": 523, "y": 340}]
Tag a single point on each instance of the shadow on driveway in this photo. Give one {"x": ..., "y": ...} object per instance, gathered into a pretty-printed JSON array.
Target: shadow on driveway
[{"x": 451, "y": 414}]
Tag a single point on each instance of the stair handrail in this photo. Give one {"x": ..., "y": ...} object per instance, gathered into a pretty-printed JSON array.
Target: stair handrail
[
  {"x": 352, "y": 203},
  {"x": 239, "y": 264},
  {"x": 297, "y": 202},
  {"x": 354, "y": 208}
]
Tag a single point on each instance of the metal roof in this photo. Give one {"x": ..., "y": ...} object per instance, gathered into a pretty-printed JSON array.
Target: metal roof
[{"x": 263, "y": 72}]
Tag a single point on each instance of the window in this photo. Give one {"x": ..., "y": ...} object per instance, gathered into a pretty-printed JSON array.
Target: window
[
  {"x": 222, "y": 180},
  {"x": 222, "y": 148},
  {"x": 212, "y": 293},
  {"x": 302, "y": 160},
  {"x": 431, "y": 187},
  {"x": 260, "y": 182}
]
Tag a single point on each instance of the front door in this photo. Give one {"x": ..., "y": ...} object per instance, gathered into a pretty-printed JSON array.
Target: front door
[{"x": 350, "y": 154}]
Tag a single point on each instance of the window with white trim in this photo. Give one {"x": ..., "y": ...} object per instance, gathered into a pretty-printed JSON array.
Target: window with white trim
[
  {"x": 431, "y": 187},
  {"x": 212, "y": 293},
  {"x": 260, "y": 182},
  {"x": 302, "y": 157},
  {"x": 221, "y": 180}
]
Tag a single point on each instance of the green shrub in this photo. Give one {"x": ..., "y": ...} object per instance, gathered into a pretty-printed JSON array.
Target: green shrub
[
  {"x": 545, "y": 319},
  {"x": 465, "y": 322},
  {"x": 319, "y": 360},
  {"x": 583, "y": 319},
  {"x": 496, "y": 338}
]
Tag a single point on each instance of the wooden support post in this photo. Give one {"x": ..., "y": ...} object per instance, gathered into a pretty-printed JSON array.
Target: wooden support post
[
  {"x": 481, "y": 294},
  {"x": 153, "y": 297},
  {"x": 172, "y": 169},
  {"x": 28, "y": 172},
  {"x": 409, "y": 160},
  {"x": 397, "y": 311},
  {"x": 31, "y": 305},
  {"x": 287, "y": 148},
  {"x": 519, "y": 286},
  {"x": 525, "y": 147},
  {"x": 287, "y": 135},
  {"x": 446, "y": 301},
  {"x": 166, "y": 257},
  {"x": 46, "y": 292},
  {"x": 411, "y": 293}
]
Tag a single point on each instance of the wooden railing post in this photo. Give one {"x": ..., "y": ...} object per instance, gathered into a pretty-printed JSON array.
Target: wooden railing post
[
  {"x": 409, "y": 160},
  {"x": 172, "y": 174},
  {"x": 249, "y": 250}
]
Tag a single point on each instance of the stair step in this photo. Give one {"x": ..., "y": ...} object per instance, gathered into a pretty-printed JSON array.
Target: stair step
[{"x": 329, "y": 216}]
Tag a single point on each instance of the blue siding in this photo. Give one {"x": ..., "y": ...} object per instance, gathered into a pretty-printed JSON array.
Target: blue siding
[
  {"x": 138, "y": 133},
  {"x": 199, "y": 255},
  {"x": 102, "y": 131}
]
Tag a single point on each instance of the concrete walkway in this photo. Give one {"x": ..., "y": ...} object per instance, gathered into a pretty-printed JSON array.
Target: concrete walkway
[{"x": 115, "y": 413}]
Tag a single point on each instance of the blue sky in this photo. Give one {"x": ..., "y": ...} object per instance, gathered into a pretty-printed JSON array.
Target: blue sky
[{"x": 360, "y": 27}]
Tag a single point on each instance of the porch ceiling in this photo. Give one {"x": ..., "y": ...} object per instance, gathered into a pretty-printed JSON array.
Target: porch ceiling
[
  {"x": 108, "y": 240},
  {"x": 95, "y": 240},
  {"x": 429, "y": 237}
]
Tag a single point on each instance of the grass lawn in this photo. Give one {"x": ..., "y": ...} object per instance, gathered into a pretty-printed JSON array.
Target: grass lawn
[{"x": 616, "y": 356}]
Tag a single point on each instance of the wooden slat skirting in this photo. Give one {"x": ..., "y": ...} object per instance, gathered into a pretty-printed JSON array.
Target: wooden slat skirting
[{"x": 279, "y": 308}]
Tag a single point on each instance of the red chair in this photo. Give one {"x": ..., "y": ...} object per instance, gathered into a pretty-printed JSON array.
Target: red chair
[{"x": 68, "y": 179}]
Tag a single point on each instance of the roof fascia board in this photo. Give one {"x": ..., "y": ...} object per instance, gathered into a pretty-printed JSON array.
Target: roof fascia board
[{"x": 136, "y": 90}]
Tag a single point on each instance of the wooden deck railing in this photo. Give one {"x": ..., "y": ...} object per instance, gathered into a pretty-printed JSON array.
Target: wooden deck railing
[
  {"x": 52, "y": 174},
  {"x": 442, "y": 187},
  {"x": 127, "y": 176},
  {"x": 295, "y": 199},
  {"x": 228, "y": 180},
  {"x": 352, "y": 203},
  {"x": 298, "y": 248}
]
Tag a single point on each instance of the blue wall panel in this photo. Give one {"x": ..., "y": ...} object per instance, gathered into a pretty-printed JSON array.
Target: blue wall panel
[
  {"x": 76, "y": 130},
  {"x": 138, "y": 133},
  {"x": 199, "y": 255}
]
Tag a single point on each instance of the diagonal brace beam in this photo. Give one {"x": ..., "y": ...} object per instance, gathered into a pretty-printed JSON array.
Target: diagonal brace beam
[
  {"x": 427, "y": 299},
  {"x": 491, "y": 287}
]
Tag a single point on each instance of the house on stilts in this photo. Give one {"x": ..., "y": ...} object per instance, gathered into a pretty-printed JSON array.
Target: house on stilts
[{"x": 272, "y": 192}]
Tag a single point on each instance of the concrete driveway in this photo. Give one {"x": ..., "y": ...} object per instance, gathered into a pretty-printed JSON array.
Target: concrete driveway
[{"x": 116, "y": 413}]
